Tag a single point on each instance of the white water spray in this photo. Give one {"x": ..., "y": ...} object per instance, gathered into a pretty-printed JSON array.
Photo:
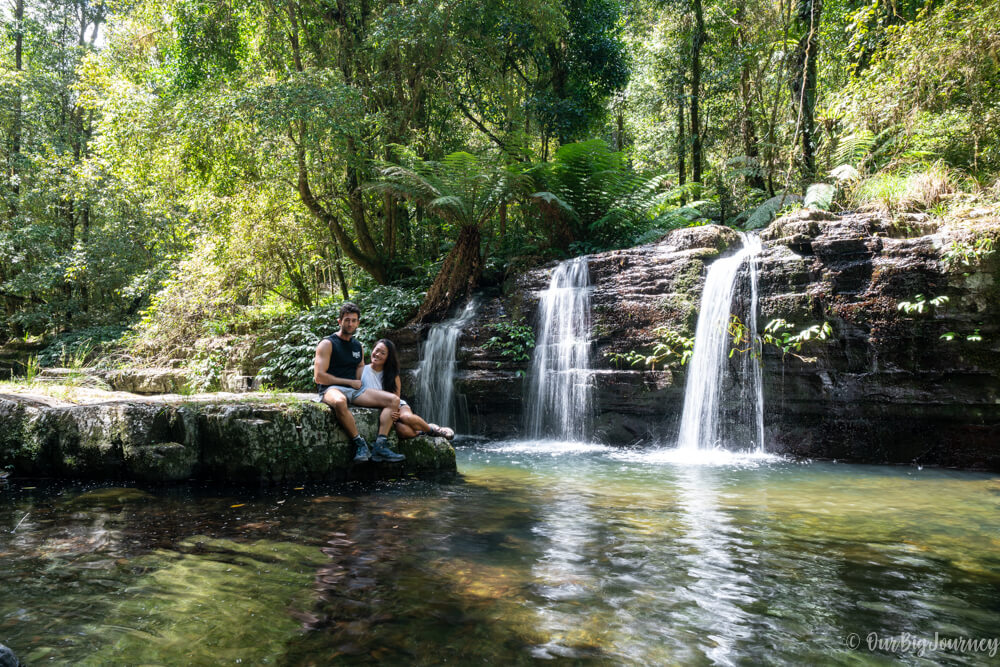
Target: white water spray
[
  {"x": 560, "y": 393},
  {"x": 702, "y": 422},
  {"x": 436, "y": 370}
]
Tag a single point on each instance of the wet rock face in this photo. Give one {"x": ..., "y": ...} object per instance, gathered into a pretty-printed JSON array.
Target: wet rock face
[
  {"x": 884, "y": 388},
  {"x": 887, "y": 387},
  {"x": 226, "y": 437},
  {"x": 634, "y": 291}
]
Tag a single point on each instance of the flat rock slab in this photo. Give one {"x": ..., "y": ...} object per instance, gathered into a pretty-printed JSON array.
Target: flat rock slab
[{"x": 243, "y": 438}]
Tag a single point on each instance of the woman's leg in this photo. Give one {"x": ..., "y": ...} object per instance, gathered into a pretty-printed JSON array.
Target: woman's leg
[
  {"x": 376, "y": 398},
  {"x": 409, "y": 424}
]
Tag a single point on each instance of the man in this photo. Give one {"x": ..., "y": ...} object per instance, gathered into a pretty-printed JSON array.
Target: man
[{"x": 337, "y": 373}]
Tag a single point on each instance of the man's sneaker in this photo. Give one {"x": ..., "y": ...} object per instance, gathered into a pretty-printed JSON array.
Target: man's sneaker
[
  {"x": 381, "y": 451},
  {"x": 362, "y": 453}
]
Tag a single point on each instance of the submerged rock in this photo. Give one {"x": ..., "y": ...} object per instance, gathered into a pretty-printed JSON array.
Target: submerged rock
[
  {"x": 228, "y": 437},
  {"x": 7, "y": 657}
]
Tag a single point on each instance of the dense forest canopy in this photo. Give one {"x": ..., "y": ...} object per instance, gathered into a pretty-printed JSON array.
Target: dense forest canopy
[{"x": 174, "y": 170}]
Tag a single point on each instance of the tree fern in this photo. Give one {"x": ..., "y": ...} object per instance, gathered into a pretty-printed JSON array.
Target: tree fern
[{"x": 854, "y": 148}]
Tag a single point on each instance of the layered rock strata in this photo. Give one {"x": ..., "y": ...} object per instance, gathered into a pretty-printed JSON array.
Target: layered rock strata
[{"x": 888, "y": 386}]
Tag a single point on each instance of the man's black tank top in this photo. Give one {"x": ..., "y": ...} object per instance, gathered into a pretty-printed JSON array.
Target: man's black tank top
[{"x": 344, "y": 357}]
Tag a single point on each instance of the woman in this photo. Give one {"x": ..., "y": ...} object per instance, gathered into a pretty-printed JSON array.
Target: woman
[{"x": 383, "y": 374}]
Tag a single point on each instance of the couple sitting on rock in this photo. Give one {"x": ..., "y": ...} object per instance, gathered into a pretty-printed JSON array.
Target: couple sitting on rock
[{"x": 343, "y": 379}]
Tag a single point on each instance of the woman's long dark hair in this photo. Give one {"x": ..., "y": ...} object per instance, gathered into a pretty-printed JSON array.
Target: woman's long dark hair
[{"x": 390, "y": 371}]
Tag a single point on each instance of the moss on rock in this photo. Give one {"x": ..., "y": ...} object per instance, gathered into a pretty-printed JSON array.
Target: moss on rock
[{"x": 169, "y": 438}]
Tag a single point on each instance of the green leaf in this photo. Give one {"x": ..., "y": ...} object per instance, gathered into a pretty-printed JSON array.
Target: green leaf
[{"x": 820, "y": 196}]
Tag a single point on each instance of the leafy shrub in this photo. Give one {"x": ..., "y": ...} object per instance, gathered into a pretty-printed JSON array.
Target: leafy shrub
[
  {"x": 289, "y": 350},
  {"x": 179, "y": 311},
  {"x": 671, "y": 350},
  {"x": 781, "y": 334},
  {"x": 75, "y": 348},
  {"x": 820, "y": 195},
  {"x": 515, "y": 341},
  {"x": 965, "y": 254}
]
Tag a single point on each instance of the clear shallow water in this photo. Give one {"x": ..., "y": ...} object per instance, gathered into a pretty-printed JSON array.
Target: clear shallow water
[{"x": 554, "y": 552}]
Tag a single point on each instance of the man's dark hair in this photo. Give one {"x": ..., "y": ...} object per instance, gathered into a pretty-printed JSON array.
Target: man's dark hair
[{"x": 348, "y": 307}]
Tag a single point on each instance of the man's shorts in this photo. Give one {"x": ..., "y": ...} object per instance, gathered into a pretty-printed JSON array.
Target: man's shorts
[{"x": 350, "y": 392}]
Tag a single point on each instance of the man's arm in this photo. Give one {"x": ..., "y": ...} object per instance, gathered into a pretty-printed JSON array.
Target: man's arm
[{"x": 322, "y": 361}]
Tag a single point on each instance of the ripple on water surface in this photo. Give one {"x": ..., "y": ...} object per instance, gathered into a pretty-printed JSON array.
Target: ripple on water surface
[{"x": 571, "y": 552}]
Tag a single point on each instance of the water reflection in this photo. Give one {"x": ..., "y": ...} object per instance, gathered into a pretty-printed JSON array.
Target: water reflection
[
  {"x": 711, "y": 552},
  {"x": 537, "y": 552}
]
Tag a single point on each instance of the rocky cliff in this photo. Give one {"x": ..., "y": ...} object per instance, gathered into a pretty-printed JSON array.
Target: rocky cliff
[{"x": 887, "y": 386}]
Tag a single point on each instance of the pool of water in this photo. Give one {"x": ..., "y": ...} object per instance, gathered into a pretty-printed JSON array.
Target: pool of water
[{"x": 539, "y": 552}]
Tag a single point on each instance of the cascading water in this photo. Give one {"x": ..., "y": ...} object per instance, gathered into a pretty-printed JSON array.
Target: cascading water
[
  {"x": 706, "y": 423},
  {"x": 436, "y": 371},
  {"x": 560, "y": 392}
]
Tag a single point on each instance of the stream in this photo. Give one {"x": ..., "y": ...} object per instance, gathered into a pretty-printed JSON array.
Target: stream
[{"x": 545, "y": 551}]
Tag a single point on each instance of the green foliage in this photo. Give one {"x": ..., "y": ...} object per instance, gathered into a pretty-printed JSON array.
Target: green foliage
[
  {"x": 31, "y": 369},
  {"x": 920, "y": 304},
  {"x": 671, "y": 350},
  {"x": 584, "y": 71},
  {"x": 904, "y": 190},
  {"x": 974, "y": 337},
  {"x": 75, "y": 348},
  {"x": 778, "y": 333},
  {"x": 208, "y": 43},
  {"x": 819, "y": 196},
  {"x": 206, "y": 367},
  {"x": 287, "y": 360},
  {"x": 766, "y": 212},
  {"x": 514, "y": 341},
  {"x": 462, "y": 188},
  {"x": 933, "y": 84},
  {"x": 590, "y": 193},
  {"x": 966, "y": 254}
]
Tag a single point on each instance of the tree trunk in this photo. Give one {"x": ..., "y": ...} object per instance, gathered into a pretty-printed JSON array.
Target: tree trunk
[
  {"x": 804, "y": 84},
  {"x": 697, "y": 39},
  {"x": 372, "y": 262},
  {"x": 341, "y": 280},
  {"x": 681, "y": 144},
  {"x": 15, "y": 149},
  {"x": 748, "y": 131},
  {"x": 458, "y": 276}
]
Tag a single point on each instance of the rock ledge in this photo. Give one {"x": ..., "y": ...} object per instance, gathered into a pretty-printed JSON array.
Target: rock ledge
[{"x": 256, "y": 437}]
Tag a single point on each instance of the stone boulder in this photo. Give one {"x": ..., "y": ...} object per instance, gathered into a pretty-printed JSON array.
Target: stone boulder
[
  {"x": 148, "y": 380},
  {"x": 226, "y": 437}
]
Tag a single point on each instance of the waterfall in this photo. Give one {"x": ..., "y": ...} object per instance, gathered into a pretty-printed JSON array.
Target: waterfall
[
  {"x": 706, "y": 422},
  {"x": 559, "y": 395},
  {"x": 436, "y": 370}
]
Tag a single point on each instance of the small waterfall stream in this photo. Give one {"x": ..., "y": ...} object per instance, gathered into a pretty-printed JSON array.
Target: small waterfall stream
[
  {"x": 713, "y": 376},
  {"x": 435, "y": 376},
  {"x": 560, "y": 389}
]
